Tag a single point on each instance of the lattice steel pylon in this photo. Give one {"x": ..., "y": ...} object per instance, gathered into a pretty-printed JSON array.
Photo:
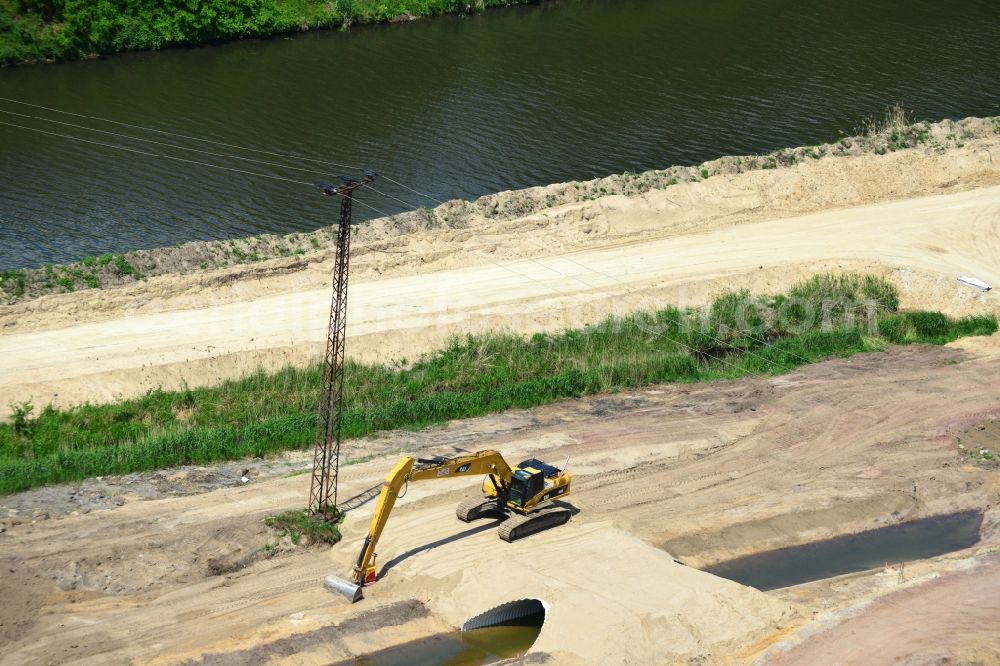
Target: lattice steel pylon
[{"x": 326, "y": 457}]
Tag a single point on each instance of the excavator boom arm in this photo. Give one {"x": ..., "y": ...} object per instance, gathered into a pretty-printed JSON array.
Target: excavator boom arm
[
  {"x": 484, "y": 462},
  {"x": 520, "y": 493},
  {"x": 386, "y": 500}
]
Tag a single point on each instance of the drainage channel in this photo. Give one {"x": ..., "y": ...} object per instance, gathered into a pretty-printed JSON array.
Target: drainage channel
[
  {"x": 915, "y": 540},
  {"x": 506, "y": 631}
]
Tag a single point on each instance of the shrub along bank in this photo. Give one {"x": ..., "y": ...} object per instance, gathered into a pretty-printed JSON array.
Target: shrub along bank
[
  {"x": 740, "y": 335},
  {"x": 33, "y": 30}
]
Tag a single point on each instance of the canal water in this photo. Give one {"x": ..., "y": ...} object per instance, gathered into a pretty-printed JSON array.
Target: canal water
[
  {"x": 458, "y": 648},
  {"x": 915, "y": 540},
  {"x": 460, "y": 107}
]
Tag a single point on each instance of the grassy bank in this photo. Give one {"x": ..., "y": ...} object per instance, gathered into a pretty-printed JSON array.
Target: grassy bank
[
  {"x": 739, "y": 335},
  {"x": 33, "y": 30}
]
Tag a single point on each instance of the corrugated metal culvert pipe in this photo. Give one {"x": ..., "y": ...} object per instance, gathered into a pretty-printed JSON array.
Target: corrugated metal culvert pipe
[{"x": 520, "y": 613}]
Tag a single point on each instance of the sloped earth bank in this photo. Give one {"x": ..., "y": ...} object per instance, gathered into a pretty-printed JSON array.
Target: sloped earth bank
[
  {"x": 949, "y": 615},
  {"x": 701, "y": 473},
  {"x": 489, "y": 214},
  {"x": 539, "y": 259}
]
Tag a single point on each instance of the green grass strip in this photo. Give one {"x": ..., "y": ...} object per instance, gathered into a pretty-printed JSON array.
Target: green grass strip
[{"x": 266, "y": 413}]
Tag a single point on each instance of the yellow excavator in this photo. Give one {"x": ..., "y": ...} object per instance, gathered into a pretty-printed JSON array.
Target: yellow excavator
[{"x": 521, "y": 495}]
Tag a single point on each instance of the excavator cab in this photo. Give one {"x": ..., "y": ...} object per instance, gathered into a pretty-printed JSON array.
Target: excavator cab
[
  {"x": 525, "y": 484},
  {"x": 534, "y": 481}
]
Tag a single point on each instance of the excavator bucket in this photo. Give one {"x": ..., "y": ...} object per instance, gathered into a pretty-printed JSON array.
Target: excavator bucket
[{"x": 343, "y": 587}]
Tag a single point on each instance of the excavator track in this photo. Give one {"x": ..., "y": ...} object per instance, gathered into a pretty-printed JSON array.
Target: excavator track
[
  {"x": 474, "y": 508},
  {"x": 518, "y": 526}
]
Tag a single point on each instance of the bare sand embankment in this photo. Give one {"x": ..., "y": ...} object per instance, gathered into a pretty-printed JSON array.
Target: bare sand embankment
[{"x": 920, "y": 216}]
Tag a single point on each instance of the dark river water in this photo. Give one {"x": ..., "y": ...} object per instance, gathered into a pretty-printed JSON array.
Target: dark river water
[{"x": 460, "y": 107}]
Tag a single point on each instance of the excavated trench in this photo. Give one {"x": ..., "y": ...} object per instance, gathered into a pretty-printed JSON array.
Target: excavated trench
[
  {"x": 915, "y": 540},
  {"x": 503, "y": 632}
]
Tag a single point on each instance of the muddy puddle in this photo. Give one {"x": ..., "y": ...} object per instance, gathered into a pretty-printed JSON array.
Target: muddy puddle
[
  {"x": 457, "y": 648},
  {"x": 915, "y": 540}
]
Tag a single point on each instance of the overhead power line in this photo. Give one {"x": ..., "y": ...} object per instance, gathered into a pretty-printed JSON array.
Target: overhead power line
[
  {"x": 164, "y": 143},
  {"x": 407, "y": 187},
  {"x": 196, "y": 150},
  {"x": 177, "y": 134},
  {"x": 147, "y": 153},
  {"x": 212, "y": 141}
]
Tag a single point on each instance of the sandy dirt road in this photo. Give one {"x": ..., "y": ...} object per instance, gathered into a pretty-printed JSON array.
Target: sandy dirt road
[
  {"x": 923, "y": 243},
  {"x": 700, "y": 473}
]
